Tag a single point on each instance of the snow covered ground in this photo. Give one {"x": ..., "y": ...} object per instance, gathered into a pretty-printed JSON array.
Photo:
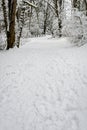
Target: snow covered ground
[{"x": 43, "y": 86}]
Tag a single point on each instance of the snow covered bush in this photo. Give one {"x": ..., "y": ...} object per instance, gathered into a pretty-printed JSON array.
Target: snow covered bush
[
  {"x": 26, "y": 33},
  {"x": 76, "y": 27}
]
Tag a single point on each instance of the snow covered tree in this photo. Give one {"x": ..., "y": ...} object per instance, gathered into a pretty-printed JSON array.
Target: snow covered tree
[
  {"x": 20, "y": 23},
  {"x": 9, "y": 13},
  {"x": 58, "y": 8},
  {"x": 77, "y": 22},
  {"x": 23, "y": 7}
]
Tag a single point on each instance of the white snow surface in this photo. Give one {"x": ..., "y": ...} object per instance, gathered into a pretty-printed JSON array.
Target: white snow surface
[{"x": 43, "y": 86}]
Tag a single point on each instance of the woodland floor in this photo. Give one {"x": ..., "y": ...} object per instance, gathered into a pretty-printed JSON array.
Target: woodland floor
[{"x": 43, "y": 86}]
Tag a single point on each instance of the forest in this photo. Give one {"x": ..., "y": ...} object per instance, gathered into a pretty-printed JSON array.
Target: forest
[
  {"x": 43, "y": 64},
  {"x": 33, "y": 18}
]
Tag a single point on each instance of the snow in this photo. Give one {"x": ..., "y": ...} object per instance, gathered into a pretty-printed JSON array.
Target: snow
[{"x": 43, "y": 86}]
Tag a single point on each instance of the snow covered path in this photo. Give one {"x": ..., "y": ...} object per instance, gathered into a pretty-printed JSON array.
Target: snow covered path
[{"x": 43, "y": 86}]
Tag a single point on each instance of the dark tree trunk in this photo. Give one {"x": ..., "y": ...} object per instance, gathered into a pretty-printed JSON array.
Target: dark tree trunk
[
  {"x": 45, "y": 19},
  {"x": 60, "y": 27},
  {"x": 11, "y": 32}
]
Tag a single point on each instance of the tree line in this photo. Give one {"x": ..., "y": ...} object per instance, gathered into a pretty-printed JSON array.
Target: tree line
[{"x": 41, "y": 17}]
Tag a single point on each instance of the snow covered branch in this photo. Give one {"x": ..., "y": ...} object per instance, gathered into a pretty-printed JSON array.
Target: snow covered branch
[
  {"x": 50, "y": 5},
  {"x": 30, "y": 4}
]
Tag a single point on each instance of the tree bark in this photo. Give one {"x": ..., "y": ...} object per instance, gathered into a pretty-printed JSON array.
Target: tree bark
[
  {"x": 5, "y": 15},
  {"x": 11, "y": 32},
  {"x": 58, "y": 10},
  {"x": 45, "y": 19},
  {"x": 85, "y": 6},
  {"x": 21, "y": 23}
]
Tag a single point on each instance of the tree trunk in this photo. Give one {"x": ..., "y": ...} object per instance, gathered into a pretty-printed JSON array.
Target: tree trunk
[
  {"x": 60, "y": 27},
  {"x": 45, "y": 19},
  {"x": 58, "y": 10},
  {"x": 21, "y": 23},
  {"x": 85, "y": 6},
  {"x": 11, "y": 32},
  {"x": 5, "y": 15}
]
